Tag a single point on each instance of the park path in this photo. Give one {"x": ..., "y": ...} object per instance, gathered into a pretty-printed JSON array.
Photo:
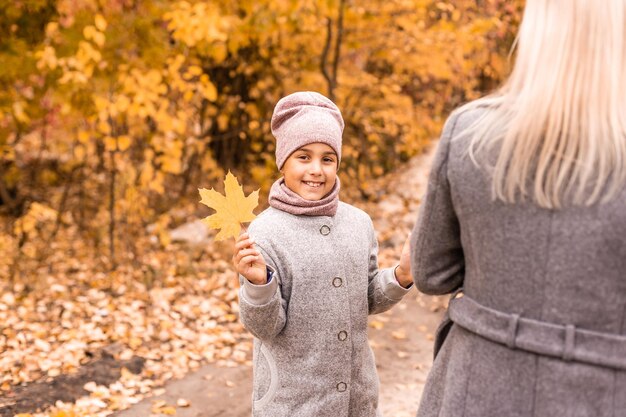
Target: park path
[{"x": 401, "y": 338}]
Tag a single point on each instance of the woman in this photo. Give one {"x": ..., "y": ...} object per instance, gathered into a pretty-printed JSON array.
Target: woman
[{"x": 525, "y": 218}]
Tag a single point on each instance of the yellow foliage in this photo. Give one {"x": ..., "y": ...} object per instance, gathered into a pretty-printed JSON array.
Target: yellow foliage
[
  {"x": 52, "y": 29},
  {"x": 100, "y": 22},
  {"x": 110, "y": 144},
  {"x": 7, "y": 153},
  {"x": 19, "y": 113},
  {"x": 93, "y": 34},
  {"x": 109, "y": 106},
  {"x": 123, "y": 142},
  {"x": 207, "y": 88},
  {"x": 83, "y": 136},
  {"x": 196, "y": 23},
  {"x": 46, "y": 58},
  {"x": 37, "y": 213},
  {"x": 222, "y": 122}
]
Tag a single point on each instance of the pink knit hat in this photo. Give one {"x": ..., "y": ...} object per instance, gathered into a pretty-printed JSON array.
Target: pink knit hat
[{"x": 302, "y": 118}]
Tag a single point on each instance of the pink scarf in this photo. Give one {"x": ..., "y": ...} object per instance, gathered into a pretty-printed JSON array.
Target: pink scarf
[{"x": 282, "y": 198}]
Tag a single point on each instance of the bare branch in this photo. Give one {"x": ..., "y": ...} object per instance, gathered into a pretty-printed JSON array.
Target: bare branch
[
  {"x": 324, "y": 60},
  {"x": 338, "y": 43}
]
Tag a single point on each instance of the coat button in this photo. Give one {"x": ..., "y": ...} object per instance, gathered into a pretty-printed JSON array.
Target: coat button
[
  {"x": 342, "y": 335},
  {"x": 325, "y": 230},
  {"x": 337, "y": 281},
  {"x": 342, "y": 386}
]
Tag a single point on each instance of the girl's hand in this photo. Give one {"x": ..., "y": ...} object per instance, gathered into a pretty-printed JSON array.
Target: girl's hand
[
  {"x": 403, "y": 270},
  {"x": 248, "y": 261}
]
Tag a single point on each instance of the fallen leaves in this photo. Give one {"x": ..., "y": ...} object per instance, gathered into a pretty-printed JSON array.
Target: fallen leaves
[
  {"x": 181, "y": 402},
  {"x": 184, "y": 317},
  {"x": 161, "y": 407},
  {"x": 55, "y": 332},
  {"x": 399, "y": 334},
  {"x": 231, "y": 209},
  {"x": 375, "y": 324}
]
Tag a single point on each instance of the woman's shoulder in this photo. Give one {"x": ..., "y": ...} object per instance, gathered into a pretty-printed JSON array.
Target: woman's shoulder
[{"x": 465, "y": 116}]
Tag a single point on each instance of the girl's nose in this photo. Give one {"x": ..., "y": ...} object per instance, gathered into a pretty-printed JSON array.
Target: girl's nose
[{"x": 315, "y": 167}]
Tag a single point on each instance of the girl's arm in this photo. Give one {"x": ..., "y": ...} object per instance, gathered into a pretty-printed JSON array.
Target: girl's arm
[{"x": 262, "y": 309}]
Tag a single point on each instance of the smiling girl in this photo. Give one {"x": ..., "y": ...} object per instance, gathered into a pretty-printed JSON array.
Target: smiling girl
[{"x": 309, "y": 276}]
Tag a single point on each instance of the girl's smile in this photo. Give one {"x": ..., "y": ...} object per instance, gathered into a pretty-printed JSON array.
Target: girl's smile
[
  {"x": 313, "y": 184},
  {"x": 311, "y": 171}
]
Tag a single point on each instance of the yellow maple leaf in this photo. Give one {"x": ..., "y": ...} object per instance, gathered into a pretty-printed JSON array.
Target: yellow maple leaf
[
  {"x": 168, "y": 411},
  {"x": 232, "y": 208}
]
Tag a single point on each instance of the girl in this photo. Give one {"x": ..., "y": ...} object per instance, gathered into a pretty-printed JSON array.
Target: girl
[
  {"x": 526, "y": 210},
  {"x": 309, "y": 276}
]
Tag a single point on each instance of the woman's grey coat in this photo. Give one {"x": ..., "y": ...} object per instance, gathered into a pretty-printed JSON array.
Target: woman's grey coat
[
  {"x": 311, "y": 353},
  {"x": 563, "y": 267}
]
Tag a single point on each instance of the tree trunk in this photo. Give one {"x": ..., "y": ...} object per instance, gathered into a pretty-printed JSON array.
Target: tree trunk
[{"x": 112, "y": 178}]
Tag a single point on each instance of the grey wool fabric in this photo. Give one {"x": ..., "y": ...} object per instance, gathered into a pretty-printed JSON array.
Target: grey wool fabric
[
  {"x": 566, "y": 268},
  {"x": 311, "y": 352}
]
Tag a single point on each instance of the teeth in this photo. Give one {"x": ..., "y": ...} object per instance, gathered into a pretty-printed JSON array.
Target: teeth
[{"x": 313, "y": 184}]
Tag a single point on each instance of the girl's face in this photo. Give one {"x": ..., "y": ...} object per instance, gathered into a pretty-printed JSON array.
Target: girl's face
[{"x": 311, "y": 171}]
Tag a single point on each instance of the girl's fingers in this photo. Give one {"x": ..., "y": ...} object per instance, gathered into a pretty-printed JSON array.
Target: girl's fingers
[
  {"x": 244, "y": 244},
  {"x": 245, "y": 252},
  {"x": 247, "y": 260},
  {"x": 248, "y": 251}
]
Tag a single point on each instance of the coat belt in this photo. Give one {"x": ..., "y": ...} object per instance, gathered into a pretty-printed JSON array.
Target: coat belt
[{"x": 565, "y": 342}]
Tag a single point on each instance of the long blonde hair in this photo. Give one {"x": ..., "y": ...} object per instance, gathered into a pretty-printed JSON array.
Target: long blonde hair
[{"x": 560, "y": 118}]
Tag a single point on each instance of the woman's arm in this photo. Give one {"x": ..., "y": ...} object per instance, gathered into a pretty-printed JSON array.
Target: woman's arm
[{"x": 437, "y": 260}]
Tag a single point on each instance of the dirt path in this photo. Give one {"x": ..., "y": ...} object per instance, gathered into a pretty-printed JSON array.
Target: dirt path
[
  {"x": 401, "y": 338},
  {"x": 402, "y": 343}
]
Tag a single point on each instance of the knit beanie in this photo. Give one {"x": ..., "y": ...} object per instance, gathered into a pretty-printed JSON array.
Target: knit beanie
[{"x": 302, "y": 118}]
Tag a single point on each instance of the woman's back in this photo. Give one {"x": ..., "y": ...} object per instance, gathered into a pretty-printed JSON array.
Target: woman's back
[
  {"x": 526, "y": 211},
  {"x": 564, "y": 266},
  {"x": 564, "y": 269}
]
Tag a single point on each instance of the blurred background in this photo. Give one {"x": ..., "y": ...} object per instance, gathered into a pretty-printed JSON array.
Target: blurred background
[{"x": 114, "y": 112}]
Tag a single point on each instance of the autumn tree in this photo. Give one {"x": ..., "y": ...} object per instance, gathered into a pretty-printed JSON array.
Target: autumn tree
[{"x": 112, "y": 113}]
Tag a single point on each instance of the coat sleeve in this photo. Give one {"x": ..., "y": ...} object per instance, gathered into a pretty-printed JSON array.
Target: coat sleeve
[
  {"x": 262, "y": 309},
  {"x": 437, "y": 261},
  {"x": 383, "y": 290}
]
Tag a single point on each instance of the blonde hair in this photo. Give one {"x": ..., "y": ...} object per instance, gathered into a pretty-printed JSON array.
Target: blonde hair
[{"x": 560, "y": 118}]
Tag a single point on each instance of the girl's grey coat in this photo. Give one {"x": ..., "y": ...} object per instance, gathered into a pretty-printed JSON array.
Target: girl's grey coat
[
  {"x": 311, "y": 353},
  {"x": 566, "y": 267}
]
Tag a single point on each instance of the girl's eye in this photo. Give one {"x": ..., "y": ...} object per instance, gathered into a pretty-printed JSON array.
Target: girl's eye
[{"x": 329, "y": 160}]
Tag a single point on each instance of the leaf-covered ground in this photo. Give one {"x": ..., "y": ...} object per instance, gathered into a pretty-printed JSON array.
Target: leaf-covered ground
[
  {"x": 153, "y": 334},
  {"x": 73, "y": 316}
]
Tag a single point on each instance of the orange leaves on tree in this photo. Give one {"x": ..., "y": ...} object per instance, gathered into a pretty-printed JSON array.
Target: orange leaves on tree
[{"x": 232, "y": 208}]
